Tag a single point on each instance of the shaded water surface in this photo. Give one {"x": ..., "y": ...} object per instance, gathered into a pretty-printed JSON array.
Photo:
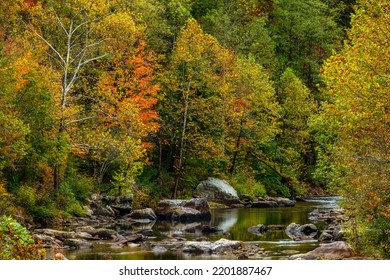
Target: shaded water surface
[{"x": 234, "y": 223}]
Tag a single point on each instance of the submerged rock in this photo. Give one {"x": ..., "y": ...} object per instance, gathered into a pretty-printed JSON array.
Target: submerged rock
[
  {"x": 275, "y": 227},
  {"x": 159, "y": 250},
  {"x": 217, "y": 190}
]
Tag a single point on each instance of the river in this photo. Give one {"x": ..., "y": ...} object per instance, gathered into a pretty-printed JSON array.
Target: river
[{"x": 234, "y": 224}]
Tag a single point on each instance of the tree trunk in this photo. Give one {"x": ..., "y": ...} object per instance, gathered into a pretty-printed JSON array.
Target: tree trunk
[
  {"x": 237, "y": 149},
  {"x": 56, "y": 178},
  {"x": 179, "y": 166}
]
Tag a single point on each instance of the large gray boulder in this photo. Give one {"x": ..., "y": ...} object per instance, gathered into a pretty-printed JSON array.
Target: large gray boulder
[
  {"x": 331, "y": 251},
  {"x": 217, "y": 190},
  {"x": 186, "y": 211}
]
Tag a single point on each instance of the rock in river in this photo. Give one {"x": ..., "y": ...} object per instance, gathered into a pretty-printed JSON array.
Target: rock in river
[
  {"x": 111, "y": 205},
  {"x": 301, "y": 232},
  {"x": 217, "y": 190},
  {"x": 186, "y": 211},
  {"x": 270, "y": 202},
  {"x": 143, "y": 214},
  {"x": 331, "y": 251},
  {"x": 258, "y": 230},
  {"x": 209, "y": 247}
]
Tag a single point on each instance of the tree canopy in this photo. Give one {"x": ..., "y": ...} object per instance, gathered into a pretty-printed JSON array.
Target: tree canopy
[{"x": 283, "y": 97}]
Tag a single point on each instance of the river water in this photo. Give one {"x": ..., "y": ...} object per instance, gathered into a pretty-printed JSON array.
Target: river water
[{"x": 234, "y": 223}]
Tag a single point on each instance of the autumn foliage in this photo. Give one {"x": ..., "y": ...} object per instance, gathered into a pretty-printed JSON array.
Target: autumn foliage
[
  {"x": 152, "y": 97},
  {"x": 356, "y": 123}
]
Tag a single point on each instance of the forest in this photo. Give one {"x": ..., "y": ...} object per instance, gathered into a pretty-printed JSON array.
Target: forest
[{"x": 150, "y": 97}]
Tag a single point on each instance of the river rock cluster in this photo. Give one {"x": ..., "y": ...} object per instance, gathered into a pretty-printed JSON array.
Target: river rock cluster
[
  {"x": 112, "y": 220},
  {"x": 332, "y": 243}
]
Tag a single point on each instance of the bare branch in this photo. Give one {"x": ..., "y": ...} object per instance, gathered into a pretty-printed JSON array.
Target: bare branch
[
  {"x": 82, "y": 52},
  {"x": 79, "y": 120},
  {"x": 86, "y": 118},
  {"x": 93, "y": 59},
  {"x": 60, "y": 22},
  {"x": 81, "y": 25},
  {"x": 50, "y": 46},
  {"x": 57, "y": 60}
]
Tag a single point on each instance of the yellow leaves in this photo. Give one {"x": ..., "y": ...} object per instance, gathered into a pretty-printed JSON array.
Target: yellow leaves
[
  {"x": 120, "y": 30},
  {"x": 23, "y": 66},
  {"x": 95, "y": 9},
  {"x": 357, "y": 81},
  {"x": 3, "y": 191},
  {"x": 193, "y": 45}
]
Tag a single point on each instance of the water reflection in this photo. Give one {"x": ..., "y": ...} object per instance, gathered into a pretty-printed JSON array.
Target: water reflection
[
  {"x": 224, "y": 219},
  {"x": 235, "y": 222}
]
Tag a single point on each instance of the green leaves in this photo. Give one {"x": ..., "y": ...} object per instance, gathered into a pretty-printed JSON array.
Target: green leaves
[
  {"x": 355, "y": 120},
  {"x": 217, "y": 106},
  {"x": 305, "y": 35},
  {"x": 16, "y": 243},
  {"x": 13, "y": 132}
]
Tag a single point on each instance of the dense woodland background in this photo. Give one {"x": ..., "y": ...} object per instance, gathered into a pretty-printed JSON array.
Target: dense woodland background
[{"x": 283, "y": 97}]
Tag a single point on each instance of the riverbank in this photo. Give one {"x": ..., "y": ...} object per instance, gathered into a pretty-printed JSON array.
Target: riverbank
[{"x": 226, "y": 235}]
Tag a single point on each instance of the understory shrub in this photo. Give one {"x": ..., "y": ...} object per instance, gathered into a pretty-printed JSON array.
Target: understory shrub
[
  {"x": 245, "y": 183},
  {"x": 7, "y": 203},
  {"x": 16, "y": 243},
  {"x": 370, "y": 238}
]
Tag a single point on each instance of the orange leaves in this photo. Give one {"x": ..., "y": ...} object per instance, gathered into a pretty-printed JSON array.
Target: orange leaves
[{"x": 131, "y": 92}]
